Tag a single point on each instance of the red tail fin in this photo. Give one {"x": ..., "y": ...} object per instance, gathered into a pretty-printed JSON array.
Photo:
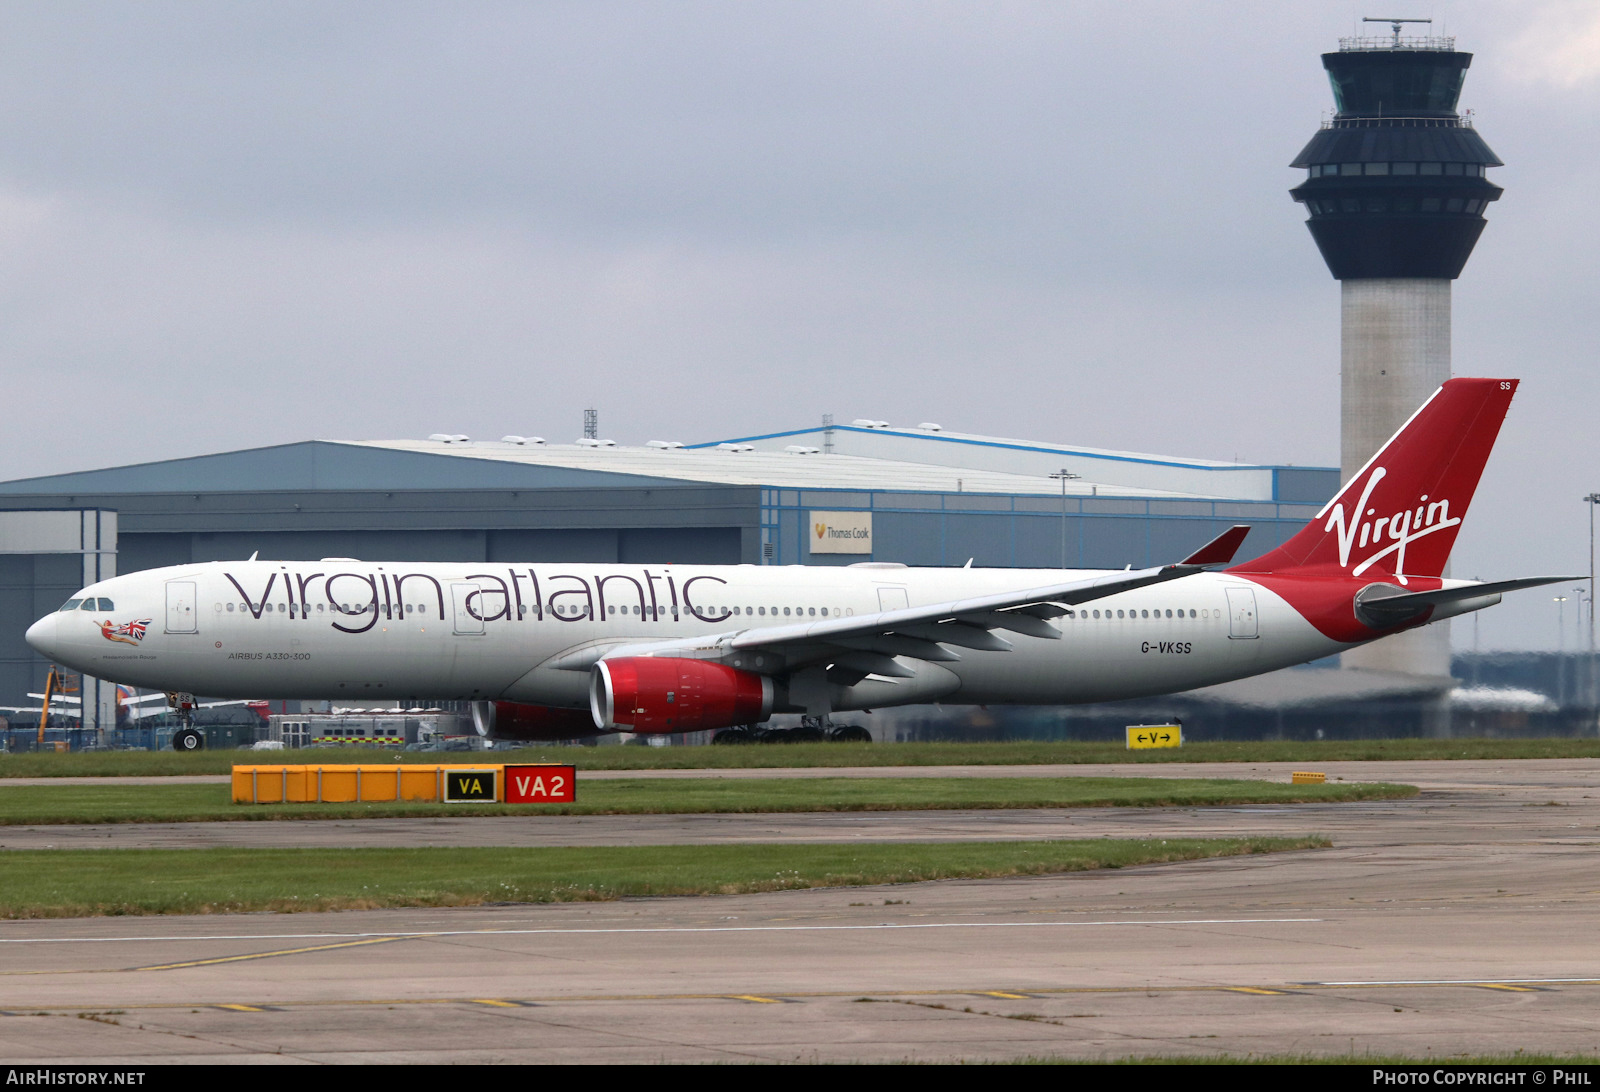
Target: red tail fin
[{"x": 1399, "y": 515}]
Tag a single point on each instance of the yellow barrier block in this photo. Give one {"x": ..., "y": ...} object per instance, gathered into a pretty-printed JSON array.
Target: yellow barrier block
[
  {"x": 351, "y": 784},
  {"x": 344, "y": 783},
  {"x": 419, "y": 783},
  {"x": 1306, "y": 777}
]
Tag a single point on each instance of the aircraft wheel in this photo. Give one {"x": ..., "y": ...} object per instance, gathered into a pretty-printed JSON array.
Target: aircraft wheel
[
  {"x": 803, "y": 734},
  {"x": 188, "y": 739},
  {"x": 732, "y": 735},
  {"x": 850, "y": 733}
]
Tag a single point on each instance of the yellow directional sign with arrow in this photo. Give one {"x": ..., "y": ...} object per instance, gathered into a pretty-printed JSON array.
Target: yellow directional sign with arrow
[{"x": 1145, "y": 736}]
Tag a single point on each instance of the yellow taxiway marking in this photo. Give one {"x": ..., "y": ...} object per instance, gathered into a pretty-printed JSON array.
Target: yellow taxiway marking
[
  {"x": 496, "y": 1004},
  {"x": 1039, "y": 993},
  {"x": 1007, "y": 996},
  {"x": 241, "y": 1008},
  {"x": 266, "y": 955}
]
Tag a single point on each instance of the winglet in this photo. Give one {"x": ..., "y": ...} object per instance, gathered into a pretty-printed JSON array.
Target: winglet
[{"x": 1220, "y": 550}]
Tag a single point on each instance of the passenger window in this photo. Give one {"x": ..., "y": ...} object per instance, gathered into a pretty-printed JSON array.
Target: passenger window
[
  {"x": 762, "y": 609},
  {"x": 230, "y": 606}
]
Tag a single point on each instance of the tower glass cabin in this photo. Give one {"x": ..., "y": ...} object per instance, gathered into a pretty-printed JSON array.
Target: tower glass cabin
[{"x": 1396, "y": 182}]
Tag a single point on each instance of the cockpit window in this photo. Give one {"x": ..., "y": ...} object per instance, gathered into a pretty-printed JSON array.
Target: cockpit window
[
  {"x": 88, "y": 604},
  {"x": 71, "y": 604},
  {"x": 105, "y": 604}
]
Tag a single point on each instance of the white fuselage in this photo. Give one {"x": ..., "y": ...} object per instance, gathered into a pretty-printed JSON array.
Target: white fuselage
[{"x": 348, "y": 630}]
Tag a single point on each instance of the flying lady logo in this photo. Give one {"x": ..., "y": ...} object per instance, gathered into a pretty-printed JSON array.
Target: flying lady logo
[
  {"x": 128, "y": 633},
  {"x": 1399, "y": 530}
]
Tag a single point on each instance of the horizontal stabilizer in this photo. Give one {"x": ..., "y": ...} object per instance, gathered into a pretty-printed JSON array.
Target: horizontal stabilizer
[
  {"x": 1402, "y": 605},
  {"x": 1220, "y": 550}
]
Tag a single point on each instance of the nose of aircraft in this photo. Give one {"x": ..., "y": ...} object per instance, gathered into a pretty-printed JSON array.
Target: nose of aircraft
[{"x": 43, "y": 639}]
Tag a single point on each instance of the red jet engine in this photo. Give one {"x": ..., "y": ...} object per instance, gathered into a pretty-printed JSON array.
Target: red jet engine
[
  {"x": 667, "y": 694},
  {"x": 533, "y": 723}
]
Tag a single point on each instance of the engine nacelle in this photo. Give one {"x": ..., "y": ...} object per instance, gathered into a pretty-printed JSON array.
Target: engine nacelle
[
  {"x": 533, "y": 723},
  {"x": 666, "y": 694}
]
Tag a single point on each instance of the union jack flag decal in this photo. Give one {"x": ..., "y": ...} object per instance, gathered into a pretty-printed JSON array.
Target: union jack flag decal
[{"x": 128, "y": 633}]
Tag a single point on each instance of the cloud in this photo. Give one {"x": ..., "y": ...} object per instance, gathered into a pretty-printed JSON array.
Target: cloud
[{"x": 1560, "y": 45}]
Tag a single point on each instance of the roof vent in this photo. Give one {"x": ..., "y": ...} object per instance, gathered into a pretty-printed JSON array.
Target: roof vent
[
  {"x": 930, "y": 426},
  {"x": 450, "y": 438},
  {"x": 513, "y": 439},
  {"x": 663, "y": 445},
  {"x": 802, "y": 449},
  {"x": 867, "y": 422},
  {"x": 736, "y": 447},
  {"x": 589, "y": 441}
]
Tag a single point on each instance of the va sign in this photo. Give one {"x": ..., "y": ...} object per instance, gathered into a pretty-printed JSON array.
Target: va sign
[{"x": 841, "y": 532}]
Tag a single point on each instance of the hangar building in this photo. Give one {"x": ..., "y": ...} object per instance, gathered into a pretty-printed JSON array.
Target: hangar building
[{"x": 922, "y": 496}]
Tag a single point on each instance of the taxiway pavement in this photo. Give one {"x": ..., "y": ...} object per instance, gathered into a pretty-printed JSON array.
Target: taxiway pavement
[{"x": 1462, "y": 921}]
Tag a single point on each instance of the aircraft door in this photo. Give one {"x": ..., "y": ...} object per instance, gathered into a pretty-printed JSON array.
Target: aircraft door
[
  {"x": 1242, "y": 614},
  {"x": 468, "y": 602},
  {"x": 181, "y": 615},
  {"x": 892, "y": 598}
]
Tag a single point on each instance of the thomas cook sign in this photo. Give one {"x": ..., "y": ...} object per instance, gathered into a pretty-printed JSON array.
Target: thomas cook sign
[{"x": 841, "y": 532}]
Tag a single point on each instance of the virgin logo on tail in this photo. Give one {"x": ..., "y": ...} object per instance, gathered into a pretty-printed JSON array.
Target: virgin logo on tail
[
  {"x": 1387, "y": 519},
  {"x": 1401, "y": 529}
]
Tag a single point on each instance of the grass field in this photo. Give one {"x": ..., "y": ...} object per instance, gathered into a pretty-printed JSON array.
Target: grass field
[
  {"x": 145, "y": 763},
  {"x": 114, "y": 803},
  {"x": 83, "y": 883}
]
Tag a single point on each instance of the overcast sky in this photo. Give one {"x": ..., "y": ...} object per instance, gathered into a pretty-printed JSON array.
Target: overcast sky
[{"x": 224, "y": 225}]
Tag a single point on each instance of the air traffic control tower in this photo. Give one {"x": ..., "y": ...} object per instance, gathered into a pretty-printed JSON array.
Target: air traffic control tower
[{"x": 1397, "y": 189}]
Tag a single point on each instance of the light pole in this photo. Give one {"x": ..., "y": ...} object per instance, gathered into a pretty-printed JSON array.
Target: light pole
[
  {"x": 1064, "y": 476},
  {"x": 1594, "y": 695},
  {"x": 1561, "y": 650}
]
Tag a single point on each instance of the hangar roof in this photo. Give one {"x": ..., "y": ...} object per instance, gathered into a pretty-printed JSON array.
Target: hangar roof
[
  {"x": 771, "y": 468},
  {"x": 861, "y": 458}
]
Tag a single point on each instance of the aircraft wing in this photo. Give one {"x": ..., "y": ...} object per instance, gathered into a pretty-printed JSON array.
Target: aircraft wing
[
  {"x": 866, "y": 644},
  {"x": 1220, "y": 550}
]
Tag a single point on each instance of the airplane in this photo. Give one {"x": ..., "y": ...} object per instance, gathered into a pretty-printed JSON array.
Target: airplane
[{"x": 567, "y": 650}]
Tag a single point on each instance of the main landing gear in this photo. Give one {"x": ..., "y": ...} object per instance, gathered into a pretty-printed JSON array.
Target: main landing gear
[{"x": 810, "y": 730}]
